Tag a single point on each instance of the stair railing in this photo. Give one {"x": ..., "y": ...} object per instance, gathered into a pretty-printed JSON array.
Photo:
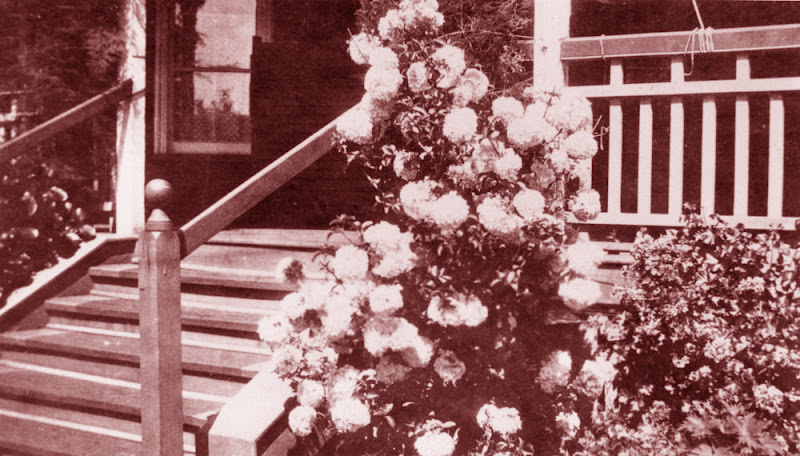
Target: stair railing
[{"x": 161, "y": 248}]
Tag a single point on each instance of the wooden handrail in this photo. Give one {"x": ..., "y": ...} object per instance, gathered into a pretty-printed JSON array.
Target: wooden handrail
[
  {"x": 65, "y": 120},
  {"x": 233, "y": 205}
]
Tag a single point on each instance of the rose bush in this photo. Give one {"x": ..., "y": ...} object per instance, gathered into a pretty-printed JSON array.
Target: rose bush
[{"x": 428, "y": 332}]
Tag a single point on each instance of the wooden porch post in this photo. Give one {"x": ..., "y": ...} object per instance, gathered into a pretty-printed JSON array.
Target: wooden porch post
[
  {"x": 550, "y": 26},
  {"x": 161, "y": 372}
]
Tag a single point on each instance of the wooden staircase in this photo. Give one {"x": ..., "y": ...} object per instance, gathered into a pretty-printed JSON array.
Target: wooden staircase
[{"x": 69, "y": 384}]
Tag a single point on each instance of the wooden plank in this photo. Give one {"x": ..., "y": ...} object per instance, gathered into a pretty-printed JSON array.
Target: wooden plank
[
  {"x": 123, "y": 348},
  {"x": 676, "y": 127},
  {"x": 741, "y": 173},
  {"x": 776, "y": 140},
  {"x": 750, "y": 222},
  {"x": 61, "y": 122},
  {"x": 242, "y": 198},
  {"x": 708, "y": 165},
  {"x": 287, "y": 238},
  {"x": 615, "y": 143},
  {"x": 645, "y": 181},
  {"x": 773, "y": 37},
  {"x": 761, "y": 85}
]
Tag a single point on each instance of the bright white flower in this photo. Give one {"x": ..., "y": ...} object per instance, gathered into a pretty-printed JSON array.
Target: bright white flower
[
  {"x": 391, "y": 26},
  {"x": 570, "y": 112},
  {"x": 382, "y": 83},
  {"x": 580, "y": 145},
  {"x": 769, "y": 398},
  {"x": 361, "y": 46},
  {"x": 463, "y": 175},
  {"x": 286, "y": 359},
  {"x": 507, "y": 109},
  {"x": 342, "y": 384},
  {"x": 418, "y": 77},
  {"x": 419, "y": 352},
  {"x": 416, "y": 199},
  {"x": 477, "y": 81},
  {"x": 274, "y": 329},
  {"x": 338, "y": 318},
  {"x": 350, "y": 415},
  {"x": 301, "y": 420},
  {"x": 450, "y": 62},
  {"x": 502, "y": 420},
  {"x": 395, "y": 262},
  {"x": 508, "y": 165},
  {"x": 383, "y": 334},
  {"x": 586, "y": 205},
  {"x": 529, "y": 204},
  {"x": 529, "y": 130},
  {"x": 449, "y": 211},
  {"x": 462, "y": 95},
  {"x": 383, "y": 57},
  {"x": 310, "y": 393},
  {"x": 355, "y": 125},
  {"x": 435, "y": 443},
  {"x": 319, "y": 362},
  {"x": 460, "y": 125},
  {"x": 579, "y": 294},
  {"x": 350, "y": 262},
  {"x": 493, "y": 214},
  {"x": 449, "y": 368},
  {"x": 289, "y": 270},
  {"x": 537, "y": 109},
  {"x": 457, "y": 310},
  {"x": 596, "y": 374},
  {"x": 390, "y": 372},
  {"x": 570, "y": 423},
  {"x": 382, "y": 236},
  {"x": 584, "y": 257},
  {"x": 560, "y": 161},
  {"x": 554, "y": 373},
  {"x": 404, "y": 165},
  {"x": 386, "y": 299}
]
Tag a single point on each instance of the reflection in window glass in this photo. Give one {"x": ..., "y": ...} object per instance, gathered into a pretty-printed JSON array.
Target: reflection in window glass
[{"x": 211, "y": 83}]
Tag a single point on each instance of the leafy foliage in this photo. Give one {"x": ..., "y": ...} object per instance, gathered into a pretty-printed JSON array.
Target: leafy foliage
[
  {"x": 38, "y": 221},
  {"x": 710, "y": 330}
]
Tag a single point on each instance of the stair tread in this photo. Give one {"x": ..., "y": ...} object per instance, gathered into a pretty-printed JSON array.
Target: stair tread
[
  {"x": 207, "y": 360},
  {"x": 276, "y": 237},
  {"x": 128, "y": 431},
  {"x": 206, "y": 316},
  {"x": 116, "y": 371},
  {"x": 68, "y": 388}
]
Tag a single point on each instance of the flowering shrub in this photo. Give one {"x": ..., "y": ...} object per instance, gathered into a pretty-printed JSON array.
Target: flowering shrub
[
  {"x": 706, "y": 347},
  {"x": 428, "y": 330}
]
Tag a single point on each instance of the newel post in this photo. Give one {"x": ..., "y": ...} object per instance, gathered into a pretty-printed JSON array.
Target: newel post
[{"x": 161, "y": 373}]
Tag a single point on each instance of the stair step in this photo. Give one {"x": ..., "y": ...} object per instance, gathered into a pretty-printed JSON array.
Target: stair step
[
  {"x": 219, "y": 317},
  {"x": 123, "y": 347},
  {"x": 116, "y": 371},
  {"x": 286, "y": 238},
  {"x": 35, "y": 429}
]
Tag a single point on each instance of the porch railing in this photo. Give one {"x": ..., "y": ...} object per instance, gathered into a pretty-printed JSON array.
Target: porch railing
[{"x": 682, "y": 48}]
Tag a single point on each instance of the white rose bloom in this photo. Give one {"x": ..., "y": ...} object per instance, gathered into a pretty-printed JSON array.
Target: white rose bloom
[
  {"x": 418, "y": 353},
  {"x": 507, "y": 109},
  {"x": 570, "y": 422},
  {"x": 350, "y": 415},
  {"x": 579, "y": 294},
  {"x": 383, "y": 236},
  {"x": 310, "y": 393},
  {"x": 382, "y": 334},
  {"x": 350, "y": 262},
  {"x": 404, "y": 166},
  {"x": 392, "y": 25},
  {"x": 529, "y": 131},
  {"x": 596, "y": 374},
  {"x": 383, "y": 57},
  {"x": 529, "y": 204},
  {"x": 416, "y": 199},
  {"x": 559, "y": 160},
  {"x": 460, "y": 125},
  {"x": 435, "y": 443},
  {"x": 508, "y": 165},
  {"x": 586, "y": 205},
  {"x": 555, "y": 371},
  {"x": 584, "y": 257},
  {"x": 395, "y": 262},
  {"x": 450, "y": 62},
  {"x": 477, "y": 81},
  {"x": 301, "y": 420},
  {"x": 356, "y": 126},
  {"x": 580, "y": 145},
  {"x": 449, "y": 211},
  {"x": 382, "y": 83},
  {"x": 449, "y": 368},
  {"x": 570, "y": 113},
  {"x": 462, "y": 95},
  {"x": 274, "y": 329},
  {"x": 458, "y": 310},
  {"x": 418, "y": 77},
  {"x": 502, "y": 420},
  {"x": 361, "y": 46},
  {"x": 494, "y": 216},
  {"x": 386, "y": 299},
  {"x": 338, "y": 316}
]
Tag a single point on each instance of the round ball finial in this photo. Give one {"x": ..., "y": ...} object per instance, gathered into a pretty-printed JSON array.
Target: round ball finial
[{"x": 158, "y": 194}]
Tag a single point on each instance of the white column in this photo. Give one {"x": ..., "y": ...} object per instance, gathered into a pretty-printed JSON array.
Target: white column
[
  {"x": 550, "y": 26},
  {"x": 708, "y": 172},
  {"x": 741, "y": 164},
  {"x": 129, "y": 185},
  {"x": 675, "y": 207},
  {"x": 615, "y": 142},
  {"x": 645, "y": 190},
  {"x": 775, "y": 179}
]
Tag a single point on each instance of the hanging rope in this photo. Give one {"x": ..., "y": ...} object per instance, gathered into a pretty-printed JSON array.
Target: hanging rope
[{"x": 700, "y": 40}]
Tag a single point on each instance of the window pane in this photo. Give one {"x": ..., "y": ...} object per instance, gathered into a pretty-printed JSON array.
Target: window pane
[
  {"x": 214, "y": 33},
  {"x": 219, "y": 109}
]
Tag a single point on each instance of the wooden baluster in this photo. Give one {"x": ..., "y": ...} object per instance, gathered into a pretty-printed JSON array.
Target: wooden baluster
[
  {"x": 615, "y": 143},
  {"x": 708, "y": 167},
  {"x": 161, "y": 372},
  {"x": 676, "y": 143},
  {"x": 741, "y": 164},
  {"x": 775, "y": 179},
  {"x": 645, "y": 156}
]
